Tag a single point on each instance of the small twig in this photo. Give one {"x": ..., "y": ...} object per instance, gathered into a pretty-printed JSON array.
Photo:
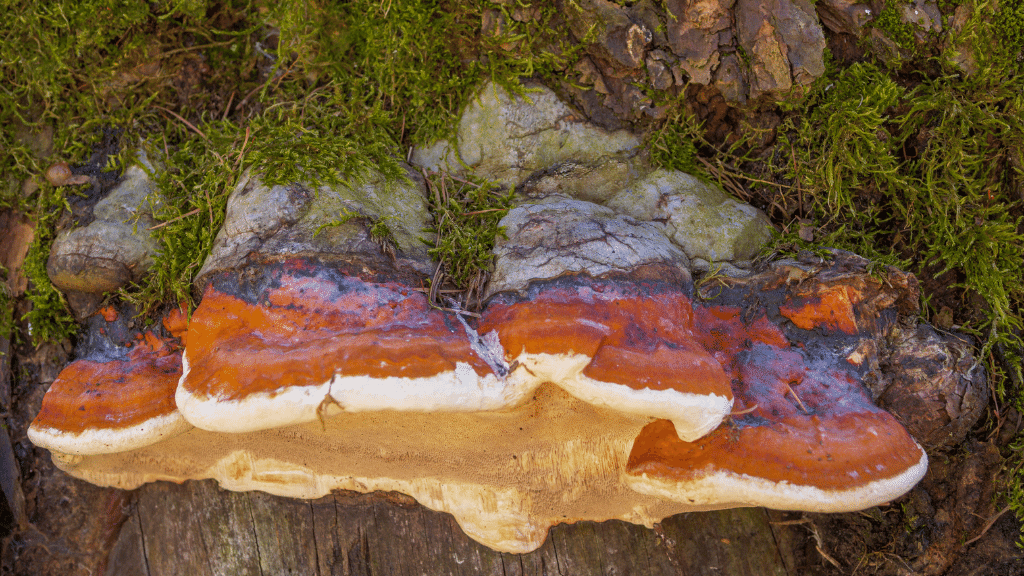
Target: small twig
[
  {"x": 447, "y": 291},
  {"x": 793, "y": 392},
  {"x": 860, "y": 562},
  {"x": 744, "y": 411},
  {"x": 183, "y": 121},
  {"x": 209, "y": 203},
  {"x": 435, "y": 284},
  {"x": 431, "y": 187},
  {"x": 241, "y": 153},
  {"x": 987, "y": 526},
  {"x": 227, "y": 108},
  {"x": 190, "y": 48},
  {"x": 196, "y": 130},
  {"x": 176, "y": 218},
  {"x": 245, "y": 100},
  {"x": 457, "y": 311},
  {"x": 475, "y": 212},
  {"x": 735, "y": 174},
  {"x": 167, "y": 152},
  {"x": 820, "y": 547},
  {"x": 457, "y": 179}
]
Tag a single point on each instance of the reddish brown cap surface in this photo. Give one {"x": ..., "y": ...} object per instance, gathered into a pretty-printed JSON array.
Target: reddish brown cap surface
[
  {"x": 106, "y": 405},
  {"x": 829, "y": 307},
  {"x": 805, "y": 436},
  {"x": 272, "y": 356},
  {"x": 625, "y": 344}
]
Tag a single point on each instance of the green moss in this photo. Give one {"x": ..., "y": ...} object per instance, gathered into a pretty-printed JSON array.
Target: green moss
[
  {"x": 890, "y": 22},
  {"x": 318, "y": 92},
  {"x": 1014, "y": 481},
  {"x": 379, "y": 230},
  {"x": 49, "y": 319},
  {"x": 924, "y": 178},
  {"x": 1008, "y": 24},
  {"x": 466, "y": 215},
  {"x": 993, "y": 40},
  {"x": 193, "y": 192},
  {"x": 673, "y": 145}
]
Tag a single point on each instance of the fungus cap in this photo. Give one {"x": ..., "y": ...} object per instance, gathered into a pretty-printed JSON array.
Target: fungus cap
[
  {"x": 311, "y": 339},
  {"x": 805, "y": 436},
  {"x": 102, "y": 405},
  {"x": 624, "y": 344}
]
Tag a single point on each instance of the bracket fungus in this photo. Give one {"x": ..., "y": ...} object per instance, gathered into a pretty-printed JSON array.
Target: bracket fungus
[
  {"x": 599, "y": 304},
  {"x": 306, "y": 338},
  {"x": 599, "y": 382},
  {"x": 590, "y": 388},
  {"x": 117, "y": 397}
]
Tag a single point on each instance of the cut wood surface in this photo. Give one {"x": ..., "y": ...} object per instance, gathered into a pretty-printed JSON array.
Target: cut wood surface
[{"x": 198, "y": 529}]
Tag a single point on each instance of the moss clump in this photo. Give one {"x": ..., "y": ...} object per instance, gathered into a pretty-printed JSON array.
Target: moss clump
[
  {"x": 1014, "y": 482},
  {"x": 378, "y": 228},
  {"x": 466, "y": 216},
  {"x": 673, "y": 145},
  {"x": 891, "y": 23},
  {"x": 927, "y": 178},
  {"x": 842, "y": 155},
  {"x": 49, "y": 319},
  {"x": 1008, "y": 24}
]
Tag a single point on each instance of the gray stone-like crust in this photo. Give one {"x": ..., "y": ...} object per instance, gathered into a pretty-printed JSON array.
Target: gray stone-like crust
[
  {"x": 272, "y": 223},
  {"x": 506, "y": 138},
  {"x": 560, "y": 235},
  {"x": 537, "y": 144},
  {"x": 117, "y": 247},
  {"x": 701, "y": 219}
]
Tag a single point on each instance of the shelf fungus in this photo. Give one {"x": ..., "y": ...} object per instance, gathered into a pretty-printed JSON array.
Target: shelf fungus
[
  {"x": 805, "y": 434},
  {"x": 117, "y": 397},
  {"x": 298, "y": 340},
  {"x": 600, "y": 305},
  {"x": 598, "y": 382}
]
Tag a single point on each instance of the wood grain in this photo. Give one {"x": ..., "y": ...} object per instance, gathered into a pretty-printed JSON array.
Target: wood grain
[{"x": 198, "y": 529}]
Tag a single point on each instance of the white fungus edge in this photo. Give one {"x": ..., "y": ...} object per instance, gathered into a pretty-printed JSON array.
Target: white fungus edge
[
  {"x": 109, "y": 440},
  {"x": 694, "y": 415},
  {"x": 724, "y": 489},
  {"x": 458, "y": 390}
]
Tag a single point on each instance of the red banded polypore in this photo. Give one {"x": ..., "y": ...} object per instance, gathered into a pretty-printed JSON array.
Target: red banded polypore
[
  {"x": 312, "y": 339},
  {"x": 627, "y": 345},
  {"x": 805, "y": 435},
  {"x": 116, "y": 399}
]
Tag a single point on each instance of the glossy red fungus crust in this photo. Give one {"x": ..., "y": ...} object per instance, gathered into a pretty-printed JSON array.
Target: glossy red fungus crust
[
  {"x": 636, "y": 333},
  {"x": 118, "y": 396},
  {"x": 301, "y": 324},
  {"x": 799, "y": 424},
  {"x": 801, "y": 417},
  {"x": 113, "y": 394}
]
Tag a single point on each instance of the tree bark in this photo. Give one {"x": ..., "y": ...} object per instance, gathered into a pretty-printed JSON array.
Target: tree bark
[{"x": 198, "y": 529}]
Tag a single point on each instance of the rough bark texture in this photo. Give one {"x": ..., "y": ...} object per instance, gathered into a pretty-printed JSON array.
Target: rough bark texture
[{"x": 197, "y": 529}]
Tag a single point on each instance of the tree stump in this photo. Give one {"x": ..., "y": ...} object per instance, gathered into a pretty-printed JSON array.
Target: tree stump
[{"x": 198, "y": 529}]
